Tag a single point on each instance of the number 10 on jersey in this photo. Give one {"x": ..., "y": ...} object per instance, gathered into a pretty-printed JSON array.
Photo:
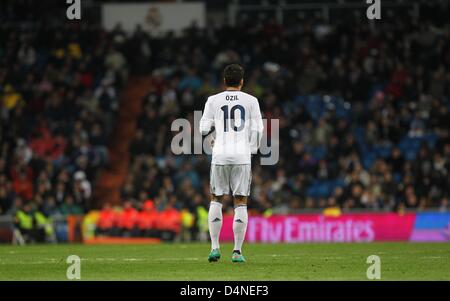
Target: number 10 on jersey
[{"x": 230, "y": 114}]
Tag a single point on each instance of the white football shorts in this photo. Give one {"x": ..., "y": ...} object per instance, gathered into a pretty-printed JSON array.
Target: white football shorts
[{"x": 234, "y": 177}]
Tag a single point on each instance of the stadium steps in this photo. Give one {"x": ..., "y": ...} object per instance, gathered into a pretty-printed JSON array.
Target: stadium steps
[{"x": 112, "y": 177}]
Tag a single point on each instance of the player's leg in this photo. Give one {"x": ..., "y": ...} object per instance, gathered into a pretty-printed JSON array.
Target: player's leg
[
  {"x": 240, "y": 222},
  {"x": 215, "y": 225},
  {"x": 219, "y": 186},
  {"x": 240, "y": 184}
]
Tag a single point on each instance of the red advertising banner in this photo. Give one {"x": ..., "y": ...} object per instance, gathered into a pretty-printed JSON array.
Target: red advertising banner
[{"x": 364, "y": 227}]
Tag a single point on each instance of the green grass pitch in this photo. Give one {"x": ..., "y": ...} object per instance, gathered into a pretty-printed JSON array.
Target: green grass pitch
[{"x": 399, "y": 261}]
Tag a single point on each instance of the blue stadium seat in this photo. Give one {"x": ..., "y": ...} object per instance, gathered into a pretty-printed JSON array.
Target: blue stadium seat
[{"x": 382, "y": 151}]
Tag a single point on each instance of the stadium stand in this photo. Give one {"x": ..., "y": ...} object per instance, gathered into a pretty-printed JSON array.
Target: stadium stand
[{"x": 354, "y": 105}]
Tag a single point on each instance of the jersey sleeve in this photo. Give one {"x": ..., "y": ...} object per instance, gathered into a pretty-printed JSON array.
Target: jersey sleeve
[
  {"x": 256, "y": 127},
  {"x": 207, "y": 120}
]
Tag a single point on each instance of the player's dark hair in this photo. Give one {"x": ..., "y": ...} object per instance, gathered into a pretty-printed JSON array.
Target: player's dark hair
[{"x": 233, "y": 74}]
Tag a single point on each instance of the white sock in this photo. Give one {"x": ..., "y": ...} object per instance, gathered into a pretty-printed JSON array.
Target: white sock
[
  {"x": 215, "y": 223},
  {"x": 239, "y": 226}
]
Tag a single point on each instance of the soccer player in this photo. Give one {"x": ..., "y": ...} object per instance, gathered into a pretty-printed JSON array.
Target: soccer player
[{"x": 236, "y": 118}]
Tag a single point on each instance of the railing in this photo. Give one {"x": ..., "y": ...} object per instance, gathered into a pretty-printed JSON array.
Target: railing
[{"x": 328, "y": 11}]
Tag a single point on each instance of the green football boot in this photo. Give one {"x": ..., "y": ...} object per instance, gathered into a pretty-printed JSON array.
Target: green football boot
[
  {"x": 237, "y": 257},
  {"x": 214, "y": 255}
]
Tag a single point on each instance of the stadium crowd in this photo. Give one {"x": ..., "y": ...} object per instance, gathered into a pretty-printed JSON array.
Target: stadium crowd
[{"x": 364, "y": 114}]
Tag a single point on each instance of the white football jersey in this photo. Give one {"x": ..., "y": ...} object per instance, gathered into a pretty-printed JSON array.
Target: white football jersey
[{"x": 237, "y": 120}]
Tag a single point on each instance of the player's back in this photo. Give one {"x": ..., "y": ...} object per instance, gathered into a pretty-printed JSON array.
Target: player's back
[{"x": 234, "y": 113}]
